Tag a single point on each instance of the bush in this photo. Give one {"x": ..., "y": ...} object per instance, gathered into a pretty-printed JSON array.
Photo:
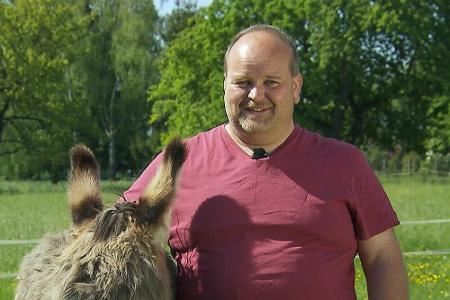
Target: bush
[{"x": 399, "y": 161}]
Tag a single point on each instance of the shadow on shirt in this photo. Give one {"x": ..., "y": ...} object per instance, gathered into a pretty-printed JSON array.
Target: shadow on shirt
[{"x": 219, "y": 243}]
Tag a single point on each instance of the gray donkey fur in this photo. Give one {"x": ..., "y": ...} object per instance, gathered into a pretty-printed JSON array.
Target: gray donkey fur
[{"x": 114, "y": 253}]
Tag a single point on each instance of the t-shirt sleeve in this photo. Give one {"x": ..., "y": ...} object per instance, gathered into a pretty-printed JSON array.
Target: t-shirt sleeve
[
  {"x": 373, "y": 212},
  {"x": 136, "y": 189}
]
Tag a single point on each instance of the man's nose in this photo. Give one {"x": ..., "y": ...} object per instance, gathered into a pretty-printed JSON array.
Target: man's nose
[{"x": 256, "y": 93}]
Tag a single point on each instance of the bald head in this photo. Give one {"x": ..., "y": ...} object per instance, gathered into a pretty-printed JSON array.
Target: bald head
[{"x": 281, "y": 37}]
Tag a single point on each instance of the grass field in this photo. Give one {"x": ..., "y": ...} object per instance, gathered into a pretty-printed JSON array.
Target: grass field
[{"x": 30, "y": 209}]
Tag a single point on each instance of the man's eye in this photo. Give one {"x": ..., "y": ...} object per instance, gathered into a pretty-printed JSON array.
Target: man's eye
[
  {"x": 242, "y": 83},
  {"x": 272, "y": 83}
]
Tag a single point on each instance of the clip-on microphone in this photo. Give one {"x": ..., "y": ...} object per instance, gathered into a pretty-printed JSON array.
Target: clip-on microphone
[{"x": 259, "y": 153}]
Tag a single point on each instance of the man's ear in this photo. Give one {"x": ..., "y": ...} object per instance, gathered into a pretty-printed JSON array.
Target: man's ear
[
  {"x": 297, "y": 82},
  {"x": 224, "y": 80}
]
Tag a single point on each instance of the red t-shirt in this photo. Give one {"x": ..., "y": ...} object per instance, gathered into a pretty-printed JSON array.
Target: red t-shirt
[{"x": 283, "y": 227}]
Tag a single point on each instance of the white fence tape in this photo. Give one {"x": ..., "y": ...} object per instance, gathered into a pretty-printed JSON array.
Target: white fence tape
[
  {"x": 18, "y": 242},
  {"x": 427, "y": 252},
  {"x": 8, "y": 275},
  {"x": 438, "y": 221}
]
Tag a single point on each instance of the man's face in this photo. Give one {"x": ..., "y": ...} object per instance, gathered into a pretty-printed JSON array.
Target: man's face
[{"x": 260, "y": 91}]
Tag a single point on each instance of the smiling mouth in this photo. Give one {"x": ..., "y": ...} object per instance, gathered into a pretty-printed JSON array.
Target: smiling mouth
[{"x": 256, "y": 109}]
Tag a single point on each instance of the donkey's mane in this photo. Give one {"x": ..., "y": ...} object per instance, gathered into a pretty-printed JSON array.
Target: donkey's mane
[{"x": 113, "y": 221}]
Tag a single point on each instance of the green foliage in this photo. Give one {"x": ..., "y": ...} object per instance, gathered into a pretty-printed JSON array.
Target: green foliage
[
  {"x": 178, "y": 20},
  {"x": 37, "y": 45},
  {"x": 115, "y": 74},
  {"x": 375, "y": 74},
  {"x": 399, "y": 161},
  {"x": 361, "y": 60},
  {"x": 79, "y": 74},
  {"x": 438, "y": 127}
]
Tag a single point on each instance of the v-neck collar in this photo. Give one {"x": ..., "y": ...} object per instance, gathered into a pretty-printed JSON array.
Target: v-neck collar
[{"x": 238, "y": 151}]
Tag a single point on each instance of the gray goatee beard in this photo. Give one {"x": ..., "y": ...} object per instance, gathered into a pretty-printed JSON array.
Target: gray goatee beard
[{"x": 251, "y": 126}]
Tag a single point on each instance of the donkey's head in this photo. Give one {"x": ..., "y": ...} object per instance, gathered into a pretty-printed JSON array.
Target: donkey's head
[{"x": 116, "y": 253}]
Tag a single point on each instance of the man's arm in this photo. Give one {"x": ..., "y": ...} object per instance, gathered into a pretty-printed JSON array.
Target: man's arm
[{"x": 382, "y": 262}]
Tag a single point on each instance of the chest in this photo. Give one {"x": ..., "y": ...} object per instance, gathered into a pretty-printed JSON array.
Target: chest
[{"x": 258, "y": 201}]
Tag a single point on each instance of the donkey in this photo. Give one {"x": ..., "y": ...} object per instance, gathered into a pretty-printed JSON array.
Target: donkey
[{"x": 115, "y": 253}]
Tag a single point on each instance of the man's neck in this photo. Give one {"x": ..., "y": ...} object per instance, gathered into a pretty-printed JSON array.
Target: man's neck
[{"x": 248, "y": 142}]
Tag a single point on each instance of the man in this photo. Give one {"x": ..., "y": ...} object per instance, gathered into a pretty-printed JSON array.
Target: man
[{"x": 283, "y": 221}]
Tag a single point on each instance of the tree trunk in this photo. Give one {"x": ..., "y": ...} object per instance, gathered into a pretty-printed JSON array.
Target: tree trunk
[
  {"x": 343, "y": 94},
  {"x": 112, "y": 157},
  {"x": 2, "y": 119},
  {"x": 337, "y": 119},
  {"x": 359, "y": 115},
  {"x": 112, "y": 131}
]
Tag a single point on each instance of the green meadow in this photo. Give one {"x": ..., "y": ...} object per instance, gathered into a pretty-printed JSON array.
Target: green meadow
[{"x": 30, "y": 209}]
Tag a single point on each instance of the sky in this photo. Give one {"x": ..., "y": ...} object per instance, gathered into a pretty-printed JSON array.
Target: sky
[{"x": 166, "y": 6}]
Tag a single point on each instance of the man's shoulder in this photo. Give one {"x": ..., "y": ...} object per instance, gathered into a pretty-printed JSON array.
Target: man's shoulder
[
  {"x": 206, "y": 137},
  {"x": 337, "y": 154},
  {"x": 317, "y": 139}
]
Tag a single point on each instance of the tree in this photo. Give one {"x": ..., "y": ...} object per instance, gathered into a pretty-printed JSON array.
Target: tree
[
  {"x": 116, "y": 73},
  {"x": 361, "y": 61},
  {"x": 178, "y": 20},
  {"x": 415, "y": 39},
  {"x": 36, "y": 48}
]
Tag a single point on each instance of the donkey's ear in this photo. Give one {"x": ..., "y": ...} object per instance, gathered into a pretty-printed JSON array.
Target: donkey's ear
[
  {"x": 155, "y": 201},
  {"x": 84, "y": 185}
]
